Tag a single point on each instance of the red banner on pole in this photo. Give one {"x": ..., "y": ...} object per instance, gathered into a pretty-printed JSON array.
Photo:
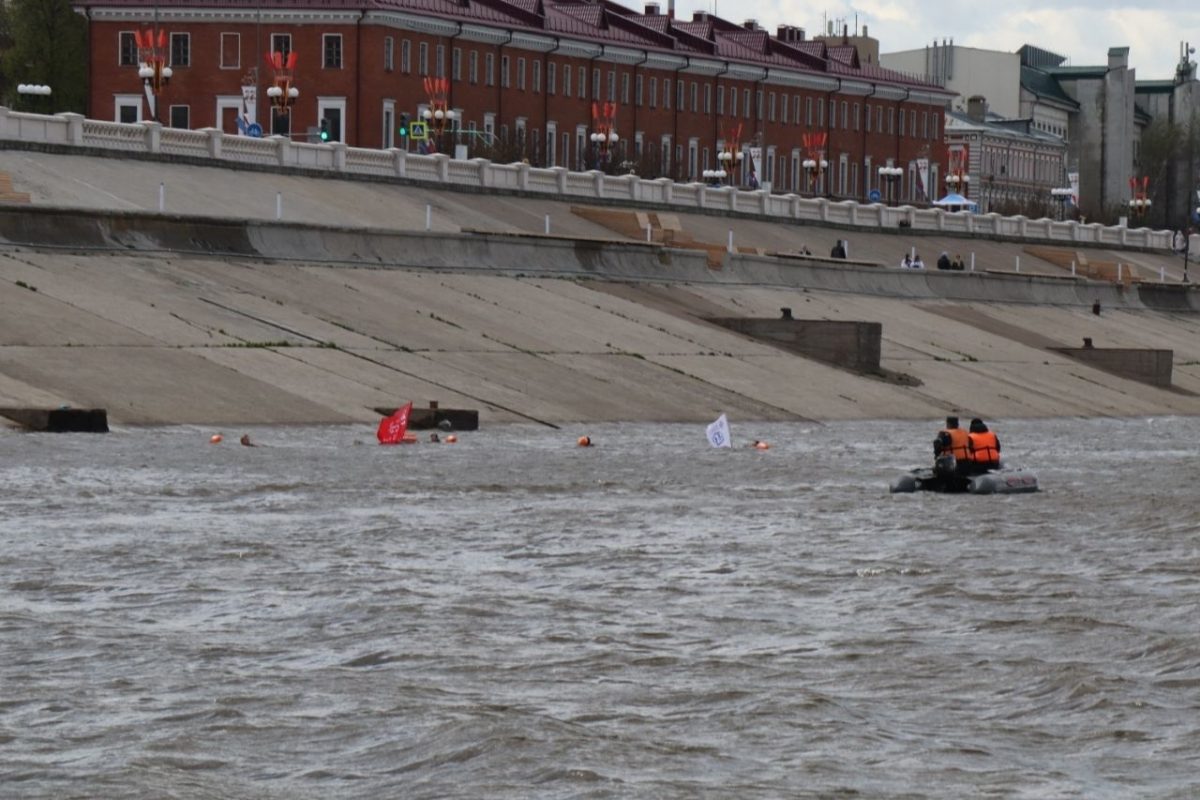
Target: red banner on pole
[{"x": 392, "y": 429}]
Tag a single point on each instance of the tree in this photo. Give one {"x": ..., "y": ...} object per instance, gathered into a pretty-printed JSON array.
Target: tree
[
  {"x": 1161, "y": 142},
  {"x": 48, "y": 46}
]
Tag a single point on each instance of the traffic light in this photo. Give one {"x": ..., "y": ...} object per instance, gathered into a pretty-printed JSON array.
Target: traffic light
[
  {"x": 404, "y": 126},
  {"x": 324, "y": 130}
]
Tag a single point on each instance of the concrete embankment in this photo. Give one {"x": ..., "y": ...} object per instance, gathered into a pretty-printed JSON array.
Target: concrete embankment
[{"x": 165, "y": 319}]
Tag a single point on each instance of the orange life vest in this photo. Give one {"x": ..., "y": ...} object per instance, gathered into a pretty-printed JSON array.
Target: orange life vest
[
  {"x": 985, "y": 448},
  {"x": 959, "y": 447}
]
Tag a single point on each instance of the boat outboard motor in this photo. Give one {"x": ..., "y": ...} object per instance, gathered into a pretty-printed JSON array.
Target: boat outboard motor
[{"x": 945, "y": 465}]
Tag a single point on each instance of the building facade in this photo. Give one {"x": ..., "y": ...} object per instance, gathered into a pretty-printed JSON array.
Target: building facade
[
  {"x": 1011, "y": 166},
  {"x": 1092, "y": 108},
  {"x": 524, "y": 79},
  {"x": 1175, "y": 103}
]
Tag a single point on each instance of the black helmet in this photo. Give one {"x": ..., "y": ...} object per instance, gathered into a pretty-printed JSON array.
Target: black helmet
[
  {"x": 951, "y": 422},
  {"x": 977, "y": 426}
]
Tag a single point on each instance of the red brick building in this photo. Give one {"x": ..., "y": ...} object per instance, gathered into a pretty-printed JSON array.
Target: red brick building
[{"x": 523, "y": 80}]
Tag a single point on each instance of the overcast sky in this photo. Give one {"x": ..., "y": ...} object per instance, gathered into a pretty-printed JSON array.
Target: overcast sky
[{"x": 1081, "y": 31}]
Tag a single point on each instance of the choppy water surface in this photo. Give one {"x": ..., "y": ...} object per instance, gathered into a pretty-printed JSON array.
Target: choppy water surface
[{"x": 513, "y": 616}]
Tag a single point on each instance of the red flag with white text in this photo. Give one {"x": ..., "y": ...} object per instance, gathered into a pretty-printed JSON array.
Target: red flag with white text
[{"x": 392, "y": 429}]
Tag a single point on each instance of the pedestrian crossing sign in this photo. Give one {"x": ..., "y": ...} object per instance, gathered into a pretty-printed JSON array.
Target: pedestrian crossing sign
[{"x": 418, "y": 131}]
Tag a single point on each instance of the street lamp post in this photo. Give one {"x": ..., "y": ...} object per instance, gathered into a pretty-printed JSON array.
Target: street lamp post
[
  {"x": 731, "y": 161},
  {"x": 890, "y": 175},
  {"x": 1061, "y": 194},
  {"x": 814, "y": 168},
  {"x": 815, "y": 165},
  {"x": 958, "y": 183},
  {"x": 603, "y": 140},
  {"x": 438, "y": 114},
  {"x": 281, "y": 93},
  {"x": 33, "y": 90},
  {"x": 153, "y": 69},
  {"x": 714, "y": 177},
  {"x": 604, "y": 131},
  {"x": 1139, "y": 203}
]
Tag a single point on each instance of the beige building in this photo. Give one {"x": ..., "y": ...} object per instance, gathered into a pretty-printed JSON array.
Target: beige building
[{"x": 966, "y": 71}]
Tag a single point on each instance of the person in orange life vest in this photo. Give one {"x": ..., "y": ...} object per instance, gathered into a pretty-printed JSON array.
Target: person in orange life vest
[
  {"x": 984, "y": 447},
  {"x": 951, "y": 450}
]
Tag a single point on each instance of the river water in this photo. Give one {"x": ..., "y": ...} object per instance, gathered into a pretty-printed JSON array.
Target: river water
[{"x": 513, "y": 616}]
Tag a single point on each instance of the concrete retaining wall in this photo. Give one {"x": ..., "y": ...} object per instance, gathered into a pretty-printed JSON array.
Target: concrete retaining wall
[
  {"x": 850, "y": 345},
  {"x": 1148, "y": 366},
  {"x": 83, "y": 229}
]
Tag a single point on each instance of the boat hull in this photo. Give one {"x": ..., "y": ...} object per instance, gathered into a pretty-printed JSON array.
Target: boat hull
[{"x": 1000, "y": 481}]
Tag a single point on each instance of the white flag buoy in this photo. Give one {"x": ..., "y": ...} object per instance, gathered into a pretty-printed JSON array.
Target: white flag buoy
[{"x": 718, "y": 433}]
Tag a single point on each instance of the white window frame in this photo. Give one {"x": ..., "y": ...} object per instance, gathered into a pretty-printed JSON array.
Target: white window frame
[
  {"x": 325, "y": 37},
  {"x": 171, "y": 48},
  {"x": 339, "y": 103},
  {"x": 389, "y": 124},
  {"x": 225, "y": 102},
  {"x": 120, "y": 100},
  {"x": 237, "y": 50}
]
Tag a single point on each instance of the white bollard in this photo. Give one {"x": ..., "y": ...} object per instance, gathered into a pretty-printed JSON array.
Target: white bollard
[
  {"x": 162, "y": 197},
  {"x": 1018, "y": 258},
  {"x": 729, "y": 247},
  {"x": 972, "y": 261},
  {"x": 1072, "y": 268},
  {"x": 279, "y": 205},
  {"x": 1120, "y": 272},
  {"x": 547, "y": 224},
  {"x": 428, "y": 217},
  {"x": 1162, "y": 274},
  {"x": 912, "y": 253},
  {"x": 649, "y": 234}
]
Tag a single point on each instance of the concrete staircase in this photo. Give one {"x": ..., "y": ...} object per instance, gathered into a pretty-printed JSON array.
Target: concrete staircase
[
  {"x": 1110, "y": 271},
  {"x": 664, "y": 228}
]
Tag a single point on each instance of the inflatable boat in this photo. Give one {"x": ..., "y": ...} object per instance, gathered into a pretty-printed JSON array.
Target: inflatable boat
[{"x": 996, "y": 481}]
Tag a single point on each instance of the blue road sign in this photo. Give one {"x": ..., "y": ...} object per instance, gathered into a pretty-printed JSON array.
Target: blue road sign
[
  {"x": 874, "y": 196},
  {"x": 254, "y": 129}
]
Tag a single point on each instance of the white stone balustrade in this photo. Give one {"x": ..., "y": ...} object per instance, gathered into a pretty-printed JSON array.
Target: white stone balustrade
[{"x": 73, "y": 130}]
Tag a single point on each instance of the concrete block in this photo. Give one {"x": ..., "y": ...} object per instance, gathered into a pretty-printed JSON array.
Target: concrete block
[
  {"x": 1138, "y": 364},
  {"x": 59, "y": 420},
  {"x": 847, "y": 344}
]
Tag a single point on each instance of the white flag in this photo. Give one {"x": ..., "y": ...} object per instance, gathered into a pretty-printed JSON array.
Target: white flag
[{"x": 718, "y": 433}]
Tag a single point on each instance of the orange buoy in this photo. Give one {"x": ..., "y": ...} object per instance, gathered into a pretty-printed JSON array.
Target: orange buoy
[
  {"x": 761, "y": 445},
  {"x": 451, "y": 439},
  {"x": 585, "y": 441},
  {"x": 216, "y": 438}
]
